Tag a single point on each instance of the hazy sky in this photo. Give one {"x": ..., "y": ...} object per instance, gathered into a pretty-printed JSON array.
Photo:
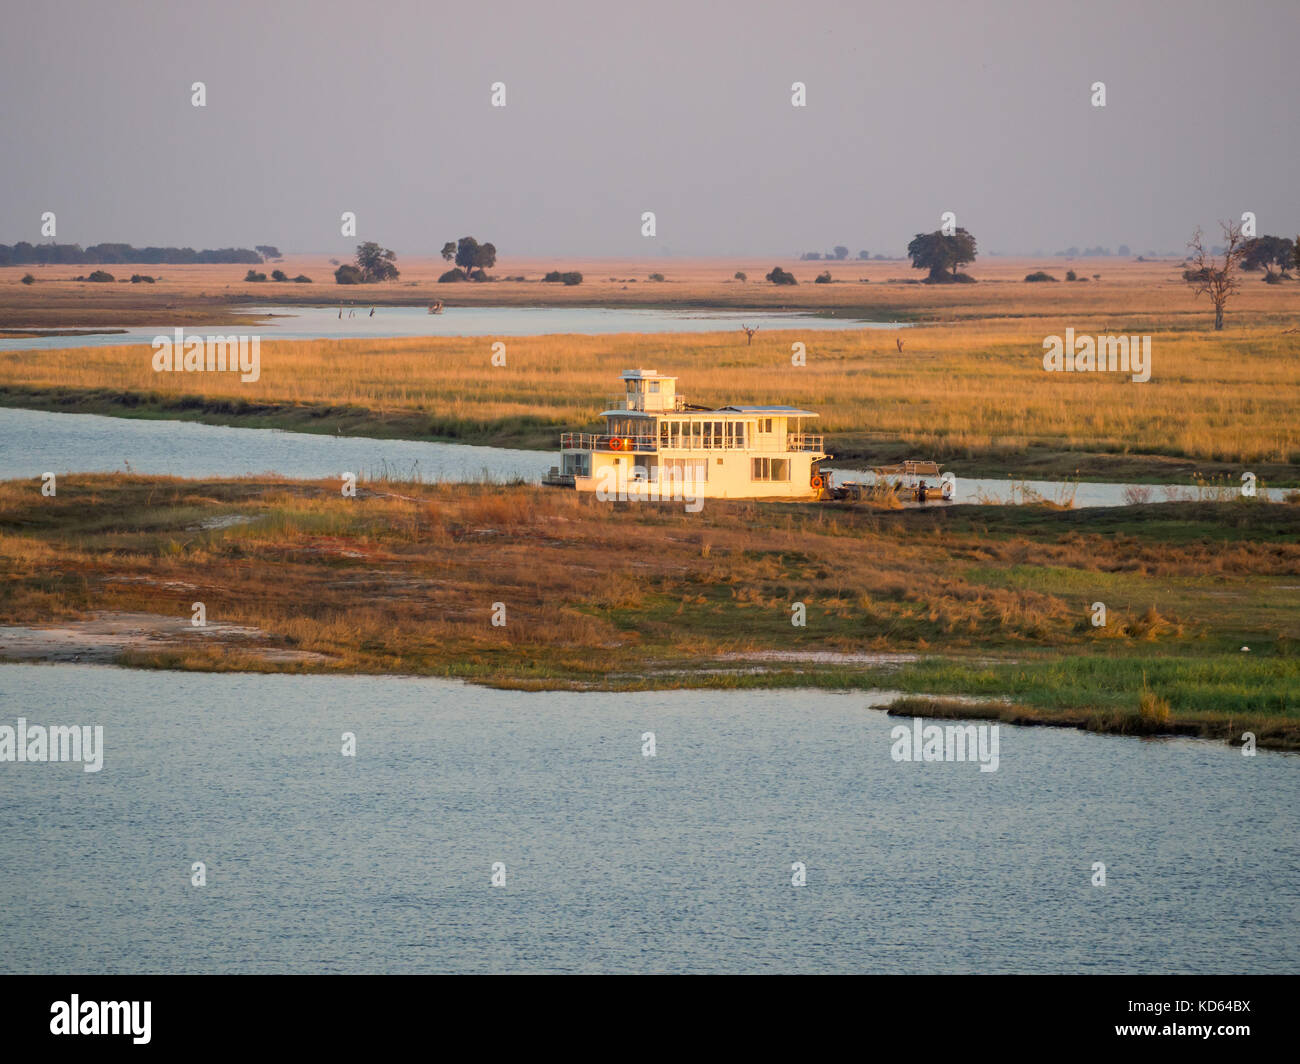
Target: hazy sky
[{"x": 383, "y": 108}]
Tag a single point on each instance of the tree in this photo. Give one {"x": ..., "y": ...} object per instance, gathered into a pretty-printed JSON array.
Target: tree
[
  {"x": 1267, "y": 251},
  {"x": 841, "y": 252},
  {"x": 940, "y": 254},
  {"x": 348, "y": 274},
  {"x": 1295, "y": 252},
  {"x": 740, "y": 276},
  {"x": 253, "y": 275},
  {"x": 374, "y": 263},
  {"x": 279, "y": 275},
  {"x": 1208, "y": 274},
  {"x": 268, "y": 251},
  {"x": 471, "y": 256},
  {"x": 449, "y": 250},
  {"x": 864, "y": 255},
  {"x": 780, "y": 276}
]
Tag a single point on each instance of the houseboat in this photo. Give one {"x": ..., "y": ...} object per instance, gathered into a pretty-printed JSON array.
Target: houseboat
[{"x": 653, "y": 435}]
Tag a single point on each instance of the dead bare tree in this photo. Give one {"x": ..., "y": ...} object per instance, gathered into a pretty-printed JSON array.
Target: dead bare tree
[
  {"x": 749, "y": 333},
  {"x": 1208, "y": 274},
  {"x": 899, "y": 340}
]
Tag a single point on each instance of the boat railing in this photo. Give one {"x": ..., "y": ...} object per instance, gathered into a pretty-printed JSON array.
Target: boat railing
[
  {"x": 623, "y": 401},
  {"x": 589, "y": 441}
]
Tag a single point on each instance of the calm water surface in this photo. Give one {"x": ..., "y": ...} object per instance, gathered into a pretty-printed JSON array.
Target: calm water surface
[
  {"x": 617, "y": 862},
  {"x": 313, "y": 323}
]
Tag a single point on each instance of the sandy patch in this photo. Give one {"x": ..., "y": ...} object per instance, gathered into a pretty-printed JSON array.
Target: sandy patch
[{"x": 103, "y": 637}]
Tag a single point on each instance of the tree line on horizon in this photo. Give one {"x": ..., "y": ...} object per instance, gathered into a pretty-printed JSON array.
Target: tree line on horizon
[{"x": 25, "y": 254}]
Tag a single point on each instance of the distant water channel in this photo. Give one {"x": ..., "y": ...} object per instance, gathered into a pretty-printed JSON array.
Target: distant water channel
[
  {"x": 317, "y": 323},
  {"x": 617, "y": 862}
]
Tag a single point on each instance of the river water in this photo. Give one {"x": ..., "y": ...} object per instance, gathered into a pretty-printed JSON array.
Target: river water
[
  {"x": 614, "y": 861},
  {"x": 35, "y": 442}
]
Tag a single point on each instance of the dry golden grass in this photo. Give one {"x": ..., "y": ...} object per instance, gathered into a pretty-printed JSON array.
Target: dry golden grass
[
  {"x": 404, "y": 578},
  {"x": 954, "y": 390}
]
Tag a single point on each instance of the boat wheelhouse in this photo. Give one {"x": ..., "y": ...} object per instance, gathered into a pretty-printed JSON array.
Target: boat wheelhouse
[{"x": 652, "y": 434}]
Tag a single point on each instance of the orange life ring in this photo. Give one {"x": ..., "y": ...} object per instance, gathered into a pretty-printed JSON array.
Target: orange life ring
[
  {"x": 615, "y": 444},
  {"x": 817, "y": 481}
]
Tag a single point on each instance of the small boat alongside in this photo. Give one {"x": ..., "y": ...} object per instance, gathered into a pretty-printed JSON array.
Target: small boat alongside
[{"x": 917, "y": 480}]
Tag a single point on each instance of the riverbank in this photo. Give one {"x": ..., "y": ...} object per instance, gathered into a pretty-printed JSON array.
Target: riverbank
[
  {"x": 408, "y": 579},
  {"x": 1217, "y": 405}
]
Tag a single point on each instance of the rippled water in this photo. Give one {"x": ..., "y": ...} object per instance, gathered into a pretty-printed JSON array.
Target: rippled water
[
  {"x": 311, "y": 323},
  {"x": 614, "y": 861}
]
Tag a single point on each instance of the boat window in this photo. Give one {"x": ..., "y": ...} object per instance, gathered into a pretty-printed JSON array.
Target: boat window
[{"x": 770, "y": 469}]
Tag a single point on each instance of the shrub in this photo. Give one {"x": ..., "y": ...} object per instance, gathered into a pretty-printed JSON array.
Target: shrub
[
  {"x": 100, "y": 275},
  {"x": 302, "y": 278},
  {"x": 823, "y": 277},
  {"x": 740, "y": 276},
  {"x": 279, "y": 275},
  {"x": 141, "y": 278},
  {"x": 1070, "y": 275},
  {"x": 454, "y": 274},
  {"x": 253, "y": 275},
  {"x": 655, "y": 277},
  {"x": 1153, "y": 710},
  {"x": 572, "y": 277},
  {"x": 347, "y": 274},
  {"x": 1041, "y": 275},
  {"x": 28, "y": 279},
  {"x": 780, "y": 276}
]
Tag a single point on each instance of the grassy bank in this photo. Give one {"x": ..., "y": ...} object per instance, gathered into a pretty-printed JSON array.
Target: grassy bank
[
  {"x": 973, "y": 396},
  {"x": 405, "y": 578}
]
